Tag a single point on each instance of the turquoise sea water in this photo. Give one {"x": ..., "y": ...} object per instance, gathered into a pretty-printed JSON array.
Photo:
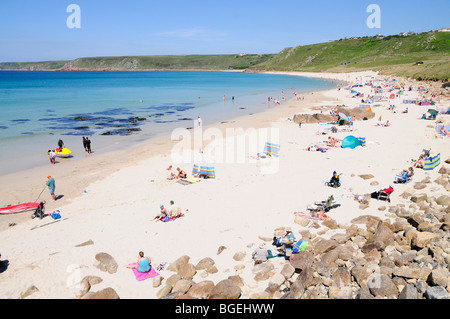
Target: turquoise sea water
[{"x": 37, "y": 107}]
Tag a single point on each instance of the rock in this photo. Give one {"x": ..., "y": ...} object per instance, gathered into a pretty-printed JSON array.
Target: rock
[
  {"x": 205, "y": 263},
  {"x": 417, "y": 198},
  {"x": 186, "y": 271},
  {"x": 412, "y": 272},
  {"x": 157, "y": 281},
  {"x": 287, "y": 271},
  {"x": 201, "y": 289},
  {"x": 86, "y": 243},
  {"x": 422, "y": 239},
  {"x": 380, "y": 285},
  {"x": 436, "y": 292},
  {"x": 85, "y": 285},
  {"x": 220, "y": 249},
  {"x": 409, "y": 292},
  {"x": 301, "y": 221},
  {"x": 420, "y": 185},
  {"x": 277, "y": 279},
  {"x": 239, "y": 256},
  {"x": 107, "y": 293},
  {"x": 237, "y": 280},
  {"x": 323, "y": 245},
  {"x": 31, "y": 290},
  {"x": 226, "y": 289},
  {"x": 106, "y": 262},
  {"x": 172, "y": 280},
  {"x": 260, "y": 295},
  {"x": 383, "y": 237},
  {"x": 443, "y": 200},
  {"x": 182, "y": 286},
  {"x": 364, "y": 293},
  {"x": 360, "y": 274},
  {"x": 302, "y": 259},
  {"x": 342, "y": 277},
  {"x": 366, "y": 176},
  {"x": 164, "y": 291},
  {"x": 438, "y": 277}
]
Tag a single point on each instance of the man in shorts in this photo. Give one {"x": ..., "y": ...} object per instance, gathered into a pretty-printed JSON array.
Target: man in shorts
[{"x": 51, "y": 186}]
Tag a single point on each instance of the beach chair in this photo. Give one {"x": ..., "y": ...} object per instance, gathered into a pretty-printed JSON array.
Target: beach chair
[{"x": 384, "y": 196}]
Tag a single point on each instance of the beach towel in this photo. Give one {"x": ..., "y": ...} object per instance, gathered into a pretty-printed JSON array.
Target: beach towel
[
  {"x": 140, "y": 276},
  {"x": 272, "y": 149},
  {"x": 432, "y": 162},
  {"x": 300, "y": 246},
  {"x": 322, "y": 215},
  {"x": 209, "y": 171},
  {"x": 438, "y": 128},
  {"x": 170, "y": 218}
]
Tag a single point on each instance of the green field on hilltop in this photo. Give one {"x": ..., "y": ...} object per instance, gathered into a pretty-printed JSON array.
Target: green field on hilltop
[{"x": 390, "y": 55}]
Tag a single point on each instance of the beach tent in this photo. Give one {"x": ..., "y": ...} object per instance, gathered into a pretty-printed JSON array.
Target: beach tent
[
  {"x": 433, "y": 112},
  {"x": 204, "y": 170},
  {"x": 272, "y": 149},
  {"x": 350, "y": 142},
  {"x": 432, "y": 162}
]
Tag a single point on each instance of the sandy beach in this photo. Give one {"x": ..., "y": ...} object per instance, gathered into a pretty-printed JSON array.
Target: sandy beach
[{"x": 109, "y": 200}]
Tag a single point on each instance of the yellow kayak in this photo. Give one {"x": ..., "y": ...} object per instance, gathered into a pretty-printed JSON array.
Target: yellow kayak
[{"x": 64, "y": 152}]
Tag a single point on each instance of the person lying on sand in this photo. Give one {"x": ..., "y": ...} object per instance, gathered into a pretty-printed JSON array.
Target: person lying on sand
[
  {"x": 443, "y": 131},
  {"x": 332, "y": 141},
  {"x": 315, "y": 148}
]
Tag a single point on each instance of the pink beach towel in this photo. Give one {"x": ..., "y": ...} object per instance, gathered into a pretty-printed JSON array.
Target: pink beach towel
[{"x": 140, "y": 276}]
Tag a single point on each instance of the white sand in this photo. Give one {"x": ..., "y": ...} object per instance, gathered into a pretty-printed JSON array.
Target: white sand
[{"x": 236, "y": 210}]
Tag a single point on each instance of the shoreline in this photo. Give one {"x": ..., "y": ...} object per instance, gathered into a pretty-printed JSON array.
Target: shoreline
[{"x": 237, "y": 210}]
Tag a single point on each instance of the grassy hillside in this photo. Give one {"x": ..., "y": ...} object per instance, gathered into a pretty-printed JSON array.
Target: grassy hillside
[
  {"x": 395, "y": 55},
  {"x": 390, "y": 55},
  {"x": 163, "y": 62}
]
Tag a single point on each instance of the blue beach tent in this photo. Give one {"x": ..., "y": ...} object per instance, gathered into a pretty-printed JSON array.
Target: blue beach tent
[{"x": 350, "y": 142}]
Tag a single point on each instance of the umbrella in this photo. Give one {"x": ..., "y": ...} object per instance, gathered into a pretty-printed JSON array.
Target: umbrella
[
  {"x": 432, "y": 112},
  {"x": 342, "y": 115}
]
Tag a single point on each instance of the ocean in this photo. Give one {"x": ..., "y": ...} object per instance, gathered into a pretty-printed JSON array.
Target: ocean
[{"x": 115, "y": 109}]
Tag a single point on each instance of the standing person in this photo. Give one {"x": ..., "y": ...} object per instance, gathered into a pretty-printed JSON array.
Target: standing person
[
  {"x": 88, "y": 145},
  {"x": 60, "y": 144},
  {"x": 199, "y": 121},
  {"x": 52, "y": 156},
  {"x": 288, "y": 244},
  {"x": 51, "y": 186},
  {"x": 84, "y": 143}
]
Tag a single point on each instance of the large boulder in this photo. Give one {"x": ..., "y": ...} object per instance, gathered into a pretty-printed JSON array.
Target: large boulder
[
  {"x": 225, "y": 289},
  {"x": 106, "y": 262}
]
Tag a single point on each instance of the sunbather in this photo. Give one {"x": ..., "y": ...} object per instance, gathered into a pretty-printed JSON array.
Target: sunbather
[
  {"x": 443, "y": 131},
  {"x": 420, "y": 163},
  {"x": 387, "y": 191},
  {"x": 181, "y": 173},
  {"x": 162, "y": 214},
  {"x": 402, "y": 177},
  {"x": 144, "y": 264},
  {"x": 170, "y": 173}
]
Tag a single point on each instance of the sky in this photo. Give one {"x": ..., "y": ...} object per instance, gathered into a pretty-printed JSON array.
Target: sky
[{"x": 38, "y": 30}]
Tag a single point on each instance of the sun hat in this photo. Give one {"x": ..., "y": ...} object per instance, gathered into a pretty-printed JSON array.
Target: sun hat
[{"x": 288, "y": 229}]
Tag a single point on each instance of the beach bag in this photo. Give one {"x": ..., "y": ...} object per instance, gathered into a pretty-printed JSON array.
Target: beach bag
[{"x": 56, "y": 215}]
